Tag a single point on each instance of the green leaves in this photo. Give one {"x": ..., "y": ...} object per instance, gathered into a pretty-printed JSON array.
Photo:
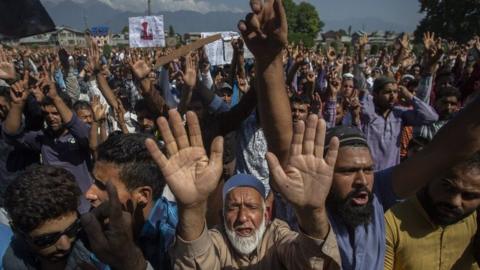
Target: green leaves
[
  {"x": 303, "y": 22},
  {"x": 450, "y": 19}
]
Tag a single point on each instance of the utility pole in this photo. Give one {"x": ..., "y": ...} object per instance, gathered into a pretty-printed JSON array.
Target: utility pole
[
  {"x": 85, "y": 20},
  {"x": 149, "y": 10}
]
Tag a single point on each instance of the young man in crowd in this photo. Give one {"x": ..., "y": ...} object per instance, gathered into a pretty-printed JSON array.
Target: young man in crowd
[
  {"x": 42, "y": 204},
  {"x": 300, "y": 108},
  {"x": 445, "y": 223},
  {"x": 447, "y": 105},
  {"x": 124, "y": 161},
  {"x": 382, "y": 120},
  {"x": 63, "y": 143}
]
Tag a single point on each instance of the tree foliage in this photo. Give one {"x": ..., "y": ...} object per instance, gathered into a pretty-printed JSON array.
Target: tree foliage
[
  {"x": 303, "y": 22},
  {"x": 450, "y": 19},
  {"x": 171, "y": 31}
]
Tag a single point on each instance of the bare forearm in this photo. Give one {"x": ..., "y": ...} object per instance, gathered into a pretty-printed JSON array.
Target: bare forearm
[
  {"x": 191, "y": 221},
  {"x": 185, "y": 100},
  {"x": 274, "y": 107},
  {"x": 63, "y": 110},
  {"x": 155, "y": 102},
  {"x": 123, "y": 127},
  {"x": 233, "y": 71},
  {"x": 13, "y": 121},
  {"x": 241, "y": 67},
  {"x": 434, "y": 160},
  {"x": 313, "y": 222},
  {"x": 361, "y": 55},
  {"x": 103, "y": 132},
  {"x": 106, "y": 91},
  {"x": 93, "y": 140}
]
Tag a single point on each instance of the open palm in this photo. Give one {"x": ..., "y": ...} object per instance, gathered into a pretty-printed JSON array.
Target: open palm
[
  {"x": 307, "y": 178},
  {"x": 7, "y": 71},
  {"x": 188, "y": 171}
]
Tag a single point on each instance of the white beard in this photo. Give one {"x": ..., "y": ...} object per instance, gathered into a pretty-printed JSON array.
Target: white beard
[{"x": 245, "y": 245}]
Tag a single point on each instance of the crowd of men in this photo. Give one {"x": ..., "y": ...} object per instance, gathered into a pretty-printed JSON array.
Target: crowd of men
[{"x": 297, "y": 159}]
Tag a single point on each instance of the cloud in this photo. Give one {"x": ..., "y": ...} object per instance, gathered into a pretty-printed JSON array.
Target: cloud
[{"x": 202, "y": 6}]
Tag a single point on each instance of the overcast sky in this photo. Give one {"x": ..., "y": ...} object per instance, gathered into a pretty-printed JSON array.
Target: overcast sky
[{"x": 404, "y": 12}]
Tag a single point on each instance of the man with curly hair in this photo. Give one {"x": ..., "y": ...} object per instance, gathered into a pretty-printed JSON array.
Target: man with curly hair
[{"x": 42, "y": 204}]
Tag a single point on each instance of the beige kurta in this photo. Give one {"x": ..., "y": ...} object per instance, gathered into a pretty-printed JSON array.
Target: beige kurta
[{"x": 280, "y": 248}]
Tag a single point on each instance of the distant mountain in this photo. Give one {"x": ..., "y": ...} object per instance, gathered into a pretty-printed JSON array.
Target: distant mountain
[
  {"x": 366, "y": 24},
  {"x": 95, "y": 13}
]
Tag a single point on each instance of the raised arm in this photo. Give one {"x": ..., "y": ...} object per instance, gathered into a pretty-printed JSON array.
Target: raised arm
[
  {"x": 190, "y": 81},
  {"x": 233, "y": 118},
  {"x": 273, "y": 102},
  {"x": 141, "y": 71},
  {"x": 65, "y": 112},
  {"x": 307, "y": 178},
  {"x": 191, "y": 175},
  {"x": 404, "y": 42},
  {"x": 19, "y": 96},
  {"x": 99, "y": 117}
]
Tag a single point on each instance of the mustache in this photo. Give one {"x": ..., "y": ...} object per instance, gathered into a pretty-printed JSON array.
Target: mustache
[
  {"x": 455, "y": 210},
  {"x": 357, "y": 191}
]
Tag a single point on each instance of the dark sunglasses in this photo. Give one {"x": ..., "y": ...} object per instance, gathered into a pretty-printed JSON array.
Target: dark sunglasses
[{"x": 50, "y": 239}]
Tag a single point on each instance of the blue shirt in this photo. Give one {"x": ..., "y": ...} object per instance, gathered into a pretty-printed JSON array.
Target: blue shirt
[
  {"x": 69, "y": 151},
  {"x": 158, "y": 233},
  {"x": 364, "y": 247},
  {"x": 5, "y": 237}
]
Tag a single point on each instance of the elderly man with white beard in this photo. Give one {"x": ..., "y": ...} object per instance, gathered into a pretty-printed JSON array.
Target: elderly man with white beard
[{"x": 246, "y": 239}]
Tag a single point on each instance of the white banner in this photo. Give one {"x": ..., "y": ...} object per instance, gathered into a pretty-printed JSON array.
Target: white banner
[
  {"x": 220, "y": 52},
  {"x": 146, "y": 31}
]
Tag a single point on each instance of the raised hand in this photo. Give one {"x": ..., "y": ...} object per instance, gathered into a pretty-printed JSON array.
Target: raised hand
[
  {"x": 242, "y": 85},
  {"x": 429, "y": 41},
  {"x": 190, "y": 74},
  {"x": 334, "y": 84},
  {"x": 331, "y": 55},
  {"x": 18, "y": 91},
  {"x": 113, "y": 244},
  {"x": 48, "y": 87},
  {"x": 265, "y": 30},
  {"x": 306, "y": 180},
  {"x": 7, "y": 69},
  {"x": 188, "y": 171},
  {"x": 311, "y": 77},
  {"x": 99, "y": 110},
  {"x": 140, "y": 68},
  {"x": 93, "y": 55},
  {"x": 404, "y": 41},
  {"x": 363, "y": 40},
  {"x": 405, "y": 93}
]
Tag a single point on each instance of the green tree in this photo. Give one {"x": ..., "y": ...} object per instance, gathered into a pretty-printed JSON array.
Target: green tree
[
  {"x": 451, "y": 19},
  {"x": 107, "y": 50},
  {"x": 303, "y": 22},
  {"x": 374, "y": 49},
  {"x": 125, "y": 29},
  {"x": 171, "y": 32}
]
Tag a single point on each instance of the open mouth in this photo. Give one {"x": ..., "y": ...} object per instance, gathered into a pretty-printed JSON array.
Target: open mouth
[
  {"x": 244, "y": 232},
  {"x": 360, "y": 198}
]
